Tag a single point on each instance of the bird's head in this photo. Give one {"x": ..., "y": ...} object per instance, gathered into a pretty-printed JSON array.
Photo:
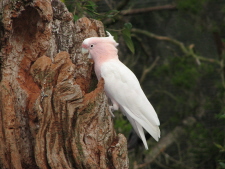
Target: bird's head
[{"x": 100, "y": 47}]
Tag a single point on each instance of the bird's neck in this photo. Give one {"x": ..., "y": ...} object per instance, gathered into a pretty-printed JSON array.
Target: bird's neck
[{"x": 98, "y": 65}]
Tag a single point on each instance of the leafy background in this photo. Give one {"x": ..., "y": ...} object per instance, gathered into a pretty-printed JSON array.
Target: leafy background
[{"x": 178, "y": 55}]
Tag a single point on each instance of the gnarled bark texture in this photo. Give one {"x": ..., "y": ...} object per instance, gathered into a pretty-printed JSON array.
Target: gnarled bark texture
[{"x": 48, "y": 117}]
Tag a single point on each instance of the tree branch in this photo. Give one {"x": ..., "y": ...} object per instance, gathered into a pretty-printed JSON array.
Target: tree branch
[
  {"x": 146, "y": 70},
  {"x": 166, "y": 141},
  {"x": 135, "y": 11},
  {"x": 164, "y": 92},
  {"x": 147, "y": 52},
  {"x": 175, "y": 161},
  {"x": 149, "y": 9},
  {"x": 122, "y": 4},
  {"x": 186, "y": 50}
]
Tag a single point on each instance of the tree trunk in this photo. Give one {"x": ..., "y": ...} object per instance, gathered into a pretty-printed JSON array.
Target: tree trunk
[{"x": 48, "y": 116}]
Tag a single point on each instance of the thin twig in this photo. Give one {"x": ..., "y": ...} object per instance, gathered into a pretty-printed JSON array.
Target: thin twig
[
  {"x": 161, "y": 165},
  {"x": 164, "y": 92},
  {"x": 109, "y": 4},
  {"x": 184, "y": 166},
  {"x": 123, "y": 3},
  {"x": 222, "y": 72},
  {"x": 186, "y": 50},
  {"x": 146, "y": 70},
  {"x": 148, "y": 9},
  {"x": 166, "y": 141}
]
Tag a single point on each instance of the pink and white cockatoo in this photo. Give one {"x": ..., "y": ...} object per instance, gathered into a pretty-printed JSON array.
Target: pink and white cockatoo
[{"x": 122, "y": 86}]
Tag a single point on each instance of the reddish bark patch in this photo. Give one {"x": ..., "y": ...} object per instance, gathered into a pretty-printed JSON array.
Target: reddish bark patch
[
  {"x": 40, "y": 101},
  {"x": 90, "y": 97},
  {"x": 83, "y": 83},
  {"x": 27, "y": 83}
]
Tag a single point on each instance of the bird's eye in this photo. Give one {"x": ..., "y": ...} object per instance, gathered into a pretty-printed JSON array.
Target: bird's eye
[{"x": 92, "y": 46}]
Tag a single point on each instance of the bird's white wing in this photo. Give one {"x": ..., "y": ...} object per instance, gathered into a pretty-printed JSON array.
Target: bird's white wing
[{"x": 122, "y": 86}]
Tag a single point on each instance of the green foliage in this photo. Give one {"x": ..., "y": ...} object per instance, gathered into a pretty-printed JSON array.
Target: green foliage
[
  {"x": 220, "y": 147},
  {"x": 204, "y": 14},
  {"x": 127, "y": 36},
  {"x": 121, "y": 124},
  {"x": 114, "y": 34},
  {"x": 180, "y": 72},
  {"x": 184, "y": 73},
  {"x": 222, "y": 164},
  {"x": 201, "y": 139},
  {"x": 221, "y": 115},
  {"x": 192, "y": 6},
  {"x": 89, "y": 9},
  {"x": 75, "y": 17}
]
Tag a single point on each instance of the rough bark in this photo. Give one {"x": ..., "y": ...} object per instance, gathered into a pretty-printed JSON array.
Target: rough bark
[{"x": 48, "y": 117}]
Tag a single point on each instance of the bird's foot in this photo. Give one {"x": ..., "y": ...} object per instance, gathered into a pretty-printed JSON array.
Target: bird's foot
[{"x": 111, "y": 111}]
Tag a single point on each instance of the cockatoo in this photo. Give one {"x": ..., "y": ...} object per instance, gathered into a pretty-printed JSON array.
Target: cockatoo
[{"x": 122, "y": 86}]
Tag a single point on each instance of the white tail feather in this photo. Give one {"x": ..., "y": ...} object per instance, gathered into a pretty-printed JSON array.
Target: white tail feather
[
  {"x": 153, "y": 130},
  {"x": 138, "y": 129},
  {"x": 142, "y": 135}
]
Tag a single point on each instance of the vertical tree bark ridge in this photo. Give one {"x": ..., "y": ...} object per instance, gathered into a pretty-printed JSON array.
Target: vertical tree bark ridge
[
  {"x": 59, "y": 90},
  {"x": 48, "y": 118},
  {"x": 62, "y": 30},
  {"x": 27, "y": 31}
]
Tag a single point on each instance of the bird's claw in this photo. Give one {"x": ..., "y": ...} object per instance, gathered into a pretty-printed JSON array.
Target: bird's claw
[{"x": 110, "y": 110}]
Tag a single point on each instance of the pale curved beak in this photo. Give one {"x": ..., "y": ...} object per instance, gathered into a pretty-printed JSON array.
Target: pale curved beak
[{"x": 84, "y": 51}]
